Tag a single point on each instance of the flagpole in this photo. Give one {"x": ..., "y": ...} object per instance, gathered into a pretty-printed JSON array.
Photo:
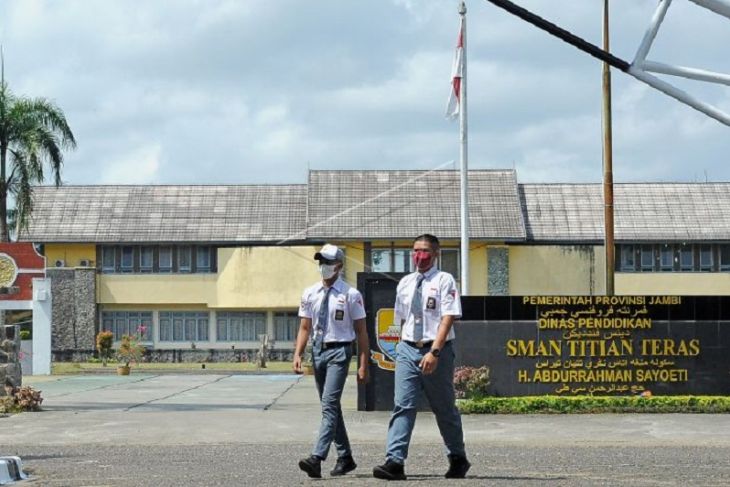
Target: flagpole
[
  {"x": 464, "y": 162},
  {"x": 608, "y": 209}
]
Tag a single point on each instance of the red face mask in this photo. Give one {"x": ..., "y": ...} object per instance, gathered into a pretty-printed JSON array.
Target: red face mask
[{"x": 422, "y": 259}]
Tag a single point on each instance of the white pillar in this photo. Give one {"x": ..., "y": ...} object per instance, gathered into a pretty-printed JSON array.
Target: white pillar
[{"x": 42, "y": 326}]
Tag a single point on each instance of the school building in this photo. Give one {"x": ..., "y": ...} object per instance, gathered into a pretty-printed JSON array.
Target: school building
[{"x": 207, "y": 269}]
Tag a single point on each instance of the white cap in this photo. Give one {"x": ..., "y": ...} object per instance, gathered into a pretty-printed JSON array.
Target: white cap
[{"x": 330, "y": 252}]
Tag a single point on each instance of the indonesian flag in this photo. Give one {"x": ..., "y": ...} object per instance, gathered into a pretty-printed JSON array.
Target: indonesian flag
[{"x": 457, "y": 70}]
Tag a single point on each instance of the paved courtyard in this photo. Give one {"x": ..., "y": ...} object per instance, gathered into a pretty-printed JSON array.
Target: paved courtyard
[{"x": 160, "y": 430}]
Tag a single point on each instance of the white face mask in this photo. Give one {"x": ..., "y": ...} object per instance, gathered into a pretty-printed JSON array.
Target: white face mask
[{"x": 327, "y": 270}]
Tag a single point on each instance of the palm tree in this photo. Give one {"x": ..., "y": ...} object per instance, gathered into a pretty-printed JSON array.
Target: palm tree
[{"x": 33, "y": 132}]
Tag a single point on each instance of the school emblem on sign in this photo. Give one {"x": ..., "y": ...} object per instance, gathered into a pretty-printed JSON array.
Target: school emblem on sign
[
  {"x": 8, "y": 270},
  {"x": 388, "y": 334}
]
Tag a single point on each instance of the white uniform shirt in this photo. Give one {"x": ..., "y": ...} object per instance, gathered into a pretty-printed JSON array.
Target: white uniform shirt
[
  {"x": 345, "y": 306},
  {"x": 439, "y": 297}
]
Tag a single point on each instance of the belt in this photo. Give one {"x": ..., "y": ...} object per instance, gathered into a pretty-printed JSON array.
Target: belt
[
  {"x": 328, "y": 345},
  {"x": 420, "y": 344}
]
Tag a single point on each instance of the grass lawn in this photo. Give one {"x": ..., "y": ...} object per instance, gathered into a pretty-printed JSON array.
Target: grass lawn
[{"x": 64, "y": 368}]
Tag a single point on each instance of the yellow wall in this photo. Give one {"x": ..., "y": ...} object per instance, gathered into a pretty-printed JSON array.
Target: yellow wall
[
  {"x": 686, "y": 283},
  {"x": 264, "y": 277},
  {"x": 71, "y": 254},
  {"x": 564, "y": 269},
  {"x": 274, "y": 277},
  {"x": 156, "y": 288},
  {"x": 155, "y": 307},
  {"x": 248, "y": 278},
  {"x": 556, "y": 269},
  {"x": 355, "y": 261},
  {"x": 477, "y": 269}
]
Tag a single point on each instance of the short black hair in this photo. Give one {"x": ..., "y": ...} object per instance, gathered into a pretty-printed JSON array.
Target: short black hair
[{"x": 427, "y": 237}]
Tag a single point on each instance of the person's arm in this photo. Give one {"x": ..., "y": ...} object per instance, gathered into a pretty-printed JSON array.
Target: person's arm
[
  {"x": 450, "y": 309},
  {"x": 363, "y": 350},
  {"x": 429, "y": 362},
  {"x": 305, "y": 327},
  {"x": 399, "y": 312}
]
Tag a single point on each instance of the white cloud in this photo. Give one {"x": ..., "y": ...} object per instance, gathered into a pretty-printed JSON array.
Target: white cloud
[
  {"x": 223, "y": 91},
  {"x": 139, "y": 166}
]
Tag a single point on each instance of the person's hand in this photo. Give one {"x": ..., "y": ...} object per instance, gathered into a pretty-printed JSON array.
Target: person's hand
[
  {"x": 297, "y": 364},
  {"x": 428, "y": 363},
  {"x": 362, "y": 375}
]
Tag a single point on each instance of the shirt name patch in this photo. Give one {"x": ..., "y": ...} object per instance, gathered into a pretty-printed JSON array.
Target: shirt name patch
[{"x": 339, "y": 314}]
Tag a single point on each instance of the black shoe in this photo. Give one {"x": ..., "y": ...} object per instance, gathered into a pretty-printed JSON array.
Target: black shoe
[
  {"x": 343, "y": 465},
  {"x": 389, "y": 471},
  {"x": 458, "y": 466},
  {"x": 312, "y": 465}
]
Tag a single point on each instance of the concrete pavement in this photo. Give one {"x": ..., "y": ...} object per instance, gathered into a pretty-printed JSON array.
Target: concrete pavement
[{"x": 233, "y": 429}]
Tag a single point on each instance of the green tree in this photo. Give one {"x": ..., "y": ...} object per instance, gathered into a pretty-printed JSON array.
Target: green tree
[{"x": 33, "y": 134}]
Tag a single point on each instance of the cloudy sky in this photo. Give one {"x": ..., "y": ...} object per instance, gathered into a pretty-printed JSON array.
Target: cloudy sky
[{"x": 260, "y": 91}]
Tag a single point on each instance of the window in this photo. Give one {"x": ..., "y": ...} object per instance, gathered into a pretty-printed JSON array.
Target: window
[
  {"x": 108, "y": 258},
  {"x": 706, "y": 258},
  {"x": 127, "y": 258},
  {"x": 725, "y": 257},
  {"x": 666, "y": 257},
  {"x": 627, "y": 258},
  {"x": 286, "y": 326},
  {"x": 151, "y": 258},
  {"x": 184, "y": 259},
  {"x": 183, "y": 326},
  {"x": 449, "y": 262},
  {"x": 146, "y": 259},
  {"x": 380, "y": 260},
  {"x": 128, "y": 323},
  {"x": 166, "y": 259},
  {"x": 686, "y": 258},
  {"x": 402, "y": 261},
  {"x": 647, "y": 258},
  {"x": 202, "y": 259},
  {"x": 240, "y": 326}
]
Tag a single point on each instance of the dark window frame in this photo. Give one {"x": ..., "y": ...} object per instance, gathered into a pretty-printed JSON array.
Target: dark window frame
[{"x": 184, "y": 326}]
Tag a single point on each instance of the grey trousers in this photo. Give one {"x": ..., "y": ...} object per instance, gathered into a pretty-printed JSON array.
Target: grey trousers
[
  {"x": 330, "y": 372},
  {"x": 439, "y": 389}
]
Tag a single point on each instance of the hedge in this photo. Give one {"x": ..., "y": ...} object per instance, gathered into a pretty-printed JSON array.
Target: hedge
[{"x": 594, "y": 404}]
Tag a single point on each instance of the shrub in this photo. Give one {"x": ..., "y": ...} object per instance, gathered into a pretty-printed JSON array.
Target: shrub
[
  {"x": 594, "y": 404},
  {"x": 104, "y": 342},
  {"x": 130, "y": 350},
  {"x": 471, "y": 381},
  {"x": 20, "y": 399}
]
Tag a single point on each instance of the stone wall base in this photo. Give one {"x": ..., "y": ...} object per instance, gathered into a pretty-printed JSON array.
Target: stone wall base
[{"x": 182, "y": 355}]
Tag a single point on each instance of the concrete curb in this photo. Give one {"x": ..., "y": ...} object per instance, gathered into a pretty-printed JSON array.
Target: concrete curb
[{"x": 11, "y": 469}]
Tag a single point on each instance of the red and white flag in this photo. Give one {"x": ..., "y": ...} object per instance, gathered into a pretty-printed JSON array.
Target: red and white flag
[{"x": 457, "y": 71}]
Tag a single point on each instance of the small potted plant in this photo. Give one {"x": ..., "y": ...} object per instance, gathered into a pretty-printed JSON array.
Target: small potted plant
[
  {"x": 130, "y": 351},
  {"x": 104, "y": 342}
]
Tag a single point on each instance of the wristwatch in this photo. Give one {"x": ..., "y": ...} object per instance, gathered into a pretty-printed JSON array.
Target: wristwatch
[{"x": 435, "y": 352}]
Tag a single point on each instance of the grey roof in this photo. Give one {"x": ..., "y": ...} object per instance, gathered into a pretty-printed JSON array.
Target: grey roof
[
  {"x": 644, "y": 212},
  {"x": 370, "y": 205},
  {"x": 403, "y": 204},
  {"x": 166, "y": 213}
]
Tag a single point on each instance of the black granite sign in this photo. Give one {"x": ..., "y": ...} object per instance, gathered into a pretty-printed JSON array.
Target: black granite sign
[
  {"x": 598, "y": 345},
  {"x": 568, "y": 345}
]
